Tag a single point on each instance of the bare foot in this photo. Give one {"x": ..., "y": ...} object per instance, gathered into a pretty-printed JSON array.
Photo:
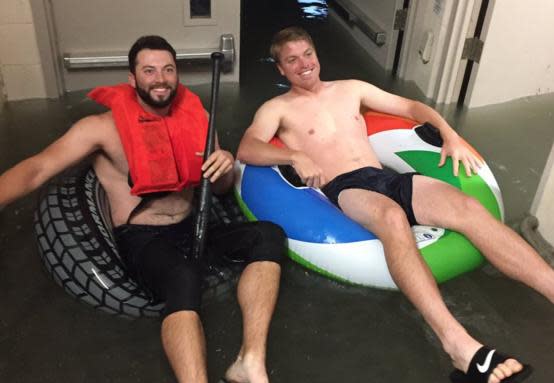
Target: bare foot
[
  {"x": 504, "y": 370},
  {"x": 247, "y": 370}
]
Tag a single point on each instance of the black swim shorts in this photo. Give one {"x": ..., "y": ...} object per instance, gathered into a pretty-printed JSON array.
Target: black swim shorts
[
  {"x": 397, "y": 187},
  {"x": 159, "y": 258}
]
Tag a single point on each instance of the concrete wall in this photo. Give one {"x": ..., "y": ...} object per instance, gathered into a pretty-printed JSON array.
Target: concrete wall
[
  {"x": 518, "y": 59},
  {"x": 543, "y": 204},
  {"x": 20, "y": 64}
]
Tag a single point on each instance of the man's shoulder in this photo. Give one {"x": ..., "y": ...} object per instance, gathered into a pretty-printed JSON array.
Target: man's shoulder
[
  {"x": 96, "y": 122},
  {"x": 276, "y": 103},
  {"x": 285, "y": 100},
  {"x": 96, "y": 127},
  {"x": 353, "y": 87},
  {"x": 351, "y": 83},
  {"x": 105, "y": 118},
  {"x": 280, "y": 99}
]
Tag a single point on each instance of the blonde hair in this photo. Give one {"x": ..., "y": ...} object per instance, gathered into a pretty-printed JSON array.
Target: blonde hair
[{"x": 286, "y": 35}]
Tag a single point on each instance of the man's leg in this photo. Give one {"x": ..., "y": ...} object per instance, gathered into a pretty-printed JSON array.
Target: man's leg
[
  {"x": 387, "y": 220},
  {"x": 439, "y": 204},
  {"x": 162, "y": 267},
  {"x": 262, "y": 245},
  {"x": 185, "y": 347},
  {"x": 183, "y": 336},
  {"x": 257, "y": 294}
]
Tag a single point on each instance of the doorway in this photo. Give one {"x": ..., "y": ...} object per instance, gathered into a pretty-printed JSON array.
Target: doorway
[{"x": 340, "y": 54}]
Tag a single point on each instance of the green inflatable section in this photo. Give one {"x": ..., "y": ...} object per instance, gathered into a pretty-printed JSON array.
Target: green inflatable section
[{"x": 453, "y": 254}]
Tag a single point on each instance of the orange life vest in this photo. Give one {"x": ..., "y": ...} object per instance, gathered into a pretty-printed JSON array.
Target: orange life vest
[{"x": 160, "y": 150}]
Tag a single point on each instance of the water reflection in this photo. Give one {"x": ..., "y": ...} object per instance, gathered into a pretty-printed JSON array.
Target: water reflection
[
  {"x": 314, "y": 9},
  {"x": 267, "y": 60},
  {"x": 281, "y": 85}
]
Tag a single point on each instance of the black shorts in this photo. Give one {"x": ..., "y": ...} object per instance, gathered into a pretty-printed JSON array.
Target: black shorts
[
  {"x": 159, "y": 258},
  {"x": 397, "y": 187}
]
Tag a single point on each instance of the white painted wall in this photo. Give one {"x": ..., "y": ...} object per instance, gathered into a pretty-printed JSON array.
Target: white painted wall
[
  {"x": 518, "y": 58},
  {"x": 20, "y": 63},
  {"x": 543, "y": 204}
]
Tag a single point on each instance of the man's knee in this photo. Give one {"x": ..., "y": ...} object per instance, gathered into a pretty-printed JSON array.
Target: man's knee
[
  {"x": 270, "y": 243},
  {"x": 393, "y": 218},
  {"x": 183, "y": 289},
  {"x": 472, "y": 204},
  {"x": 468, "y": 208},
  {"x": 181, "y": 315}
]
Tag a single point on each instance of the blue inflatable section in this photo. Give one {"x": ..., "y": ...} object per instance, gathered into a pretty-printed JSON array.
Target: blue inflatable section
[{"x": 303, "y": 213}]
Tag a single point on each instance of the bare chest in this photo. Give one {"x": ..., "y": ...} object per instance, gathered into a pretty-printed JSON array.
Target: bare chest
[{"x": 321, "y": 122}]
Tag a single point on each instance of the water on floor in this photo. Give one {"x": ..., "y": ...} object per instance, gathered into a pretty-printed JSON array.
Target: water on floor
[{"x": 322, "y": 331}]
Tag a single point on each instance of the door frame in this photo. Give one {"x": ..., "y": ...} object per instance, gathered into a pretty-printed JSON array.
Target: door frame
[
  {"x": 43, "y": 18},
  {"x": 400, "y": 41},
  {"x": 467, "y": 67},
  {"x": 441, "y": 74}
]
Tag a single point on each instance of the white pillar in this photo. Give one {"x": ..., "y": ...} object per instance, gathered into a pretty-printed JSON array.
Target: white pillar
[
  {"x": 543, "y": 204},
  {"x": 2, "y": 95}
]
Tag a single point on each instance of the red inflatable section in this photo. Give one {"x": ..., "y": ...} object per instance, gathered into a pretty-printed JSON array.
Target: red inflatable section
[
  {"x": 275, "y": 141},
  {"x": 379, "y": 122}
]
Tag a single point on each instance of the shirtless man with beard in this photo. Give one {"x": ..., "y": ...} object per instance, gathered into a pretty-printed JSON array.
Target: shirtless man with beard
[
  {"x": 321, "y": 124},
  {"x": 154, "y": 238}
]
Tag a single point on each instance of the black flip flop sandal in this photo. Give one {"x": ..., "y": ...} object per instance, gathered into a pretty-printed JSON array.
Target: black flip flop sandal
[{"x": 483, "y": 363}]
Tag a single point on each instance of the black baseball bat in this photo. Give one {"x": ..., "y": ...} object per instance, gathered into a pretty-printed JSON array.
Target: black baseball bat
[{"x": 205, "y": 198}]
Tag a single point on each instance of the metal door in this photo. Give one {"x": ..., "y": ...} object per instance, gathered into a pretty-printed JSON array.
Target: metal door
[{"x": 92, "y": 38}]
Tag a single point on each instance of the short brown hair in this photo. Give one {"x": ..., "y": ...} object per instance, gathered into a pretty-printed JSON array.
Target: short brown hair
[
  {"x": 149, "y": 42},
  {"x": 286, "y": 35}
]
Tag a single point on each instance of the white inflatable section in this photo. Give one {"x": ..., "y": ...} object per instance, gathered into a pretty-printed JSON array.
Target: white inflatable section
[
  {"x": 387, "y": 143},
  {"x": 357, "y": 262},
  {"x": 486, "y": 173},
  {"x": 360, "y": 262},
  {"x": 239, "y": 171}
]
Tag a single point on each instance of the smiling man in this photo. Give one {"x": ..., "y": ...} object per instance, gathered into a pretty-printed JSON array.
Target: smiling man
[
  {"x": 321, "y": 124},
  {"x": 147, "y": 154}
]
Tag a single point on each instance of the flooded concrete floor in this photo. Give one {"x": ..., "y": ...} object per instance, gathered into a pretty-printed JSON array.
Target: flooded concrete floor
[{"x": 322, "y": 331}]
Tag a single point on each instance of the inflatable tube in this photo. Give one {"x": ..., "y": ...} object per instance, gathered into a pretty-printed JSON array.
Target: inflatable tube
[
  {"x": 73, "y": 231},
  {"x": 323, "y": 239}
]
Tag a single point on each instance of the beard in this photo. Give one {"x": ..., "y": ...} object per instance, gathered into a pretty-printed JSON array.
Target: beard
[{"x": 144, "y": 94}]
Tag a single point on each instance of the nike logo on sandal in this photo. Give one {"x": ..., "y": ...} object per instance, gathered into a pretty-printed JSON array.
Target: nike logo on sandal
[{"x": 485, "y": 366}]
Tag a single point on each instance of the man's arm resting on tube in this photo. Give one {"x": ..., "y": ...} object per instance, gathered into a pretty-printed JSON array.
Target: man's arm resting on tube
[
  {"x": 255, "y": 149},
  {"x": 28, "y": 175},
  {"x": 454, "y": 146}
]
